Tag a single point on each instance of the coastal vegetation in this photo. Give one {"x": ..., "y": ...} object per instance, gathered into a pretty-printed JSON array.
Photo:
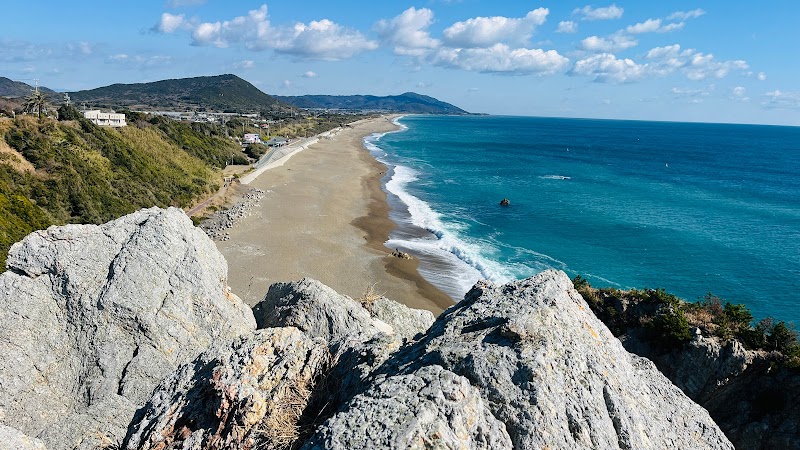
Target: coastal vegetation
[
  {"x": 669, "y": 320},
  {"x": 72, "y": 171}
]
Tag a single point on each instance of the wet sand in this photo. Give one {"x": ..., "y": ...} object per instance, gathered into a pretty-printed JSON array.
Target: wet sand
[{"x": 325, "y": 216}]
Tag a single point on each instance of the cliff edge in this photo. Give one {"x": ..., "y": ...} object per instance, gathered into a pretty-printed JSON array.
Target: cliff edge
[{"x": 125, "y": 335}]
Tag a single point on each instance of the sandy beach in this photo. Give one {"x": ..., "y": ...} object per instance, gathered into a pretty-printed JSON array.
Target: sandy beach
[{"x": 325, "y": 216}]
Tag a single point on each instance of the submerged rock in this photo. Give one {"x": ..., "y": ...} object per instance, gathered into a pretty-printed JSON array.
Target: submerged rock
[{"x": 93, "y": 317}]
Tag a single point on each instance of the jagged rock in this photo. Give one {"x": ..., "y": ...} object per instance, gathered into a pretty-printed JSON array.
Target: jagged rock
[
  {"x": 13, "y": 439},
  {"x": 700, "y": 366},
  {"x": 93, "y": 317},
  {"x": 406, "y": 322},
  {"x": 249, "y": 394},
  {"x": 554, "y": 374},
  {"x": 319, "y": 311},
  {"x": 430, "y": 408}
]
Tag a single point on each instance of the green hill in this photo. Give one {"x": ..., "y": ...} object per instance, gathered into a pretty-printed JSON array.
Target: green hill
[
  {"x": 217, "y": 93},
  {"x": 409, "y": 102},
  {"x": 16, "y": 89},
  {"x": 56, "y": 172}
]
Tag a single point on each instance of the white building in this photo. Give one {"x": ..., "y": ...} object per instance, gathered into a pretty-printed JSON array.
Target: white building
[
  {"x": 252, "y": 138},
  {"x": 105, "y": 119}
]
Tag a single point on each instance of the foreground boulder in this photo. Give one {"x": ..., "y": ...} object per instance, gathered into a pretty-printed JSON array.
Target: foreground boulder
[
  {"x": 93, "y": 317},
  {"x": 250, "y": 392},
  {"x": 549, "y": 370}
]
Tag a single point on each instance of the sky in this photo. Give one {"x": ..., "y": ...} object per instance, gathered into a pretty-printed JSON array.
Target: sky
[{"x": 702, "y": 61}]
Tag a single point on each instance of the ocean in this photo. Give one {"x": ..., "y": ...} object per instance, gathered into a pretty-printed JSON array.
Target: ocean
[{"x": 689, "y": 207}]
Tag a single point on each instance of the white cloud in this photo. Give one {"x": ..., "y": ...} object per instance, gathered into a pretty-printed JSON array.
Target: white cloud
[
  {"x": 286, "y": 84},
  {"x": 605, "y": 67},
  {"x": 607, "y": 13},
  {"x": 614, "y": 43},
  {"x": 139, "y": 61},
  {"x": 246, "y": 64},
  {"x": 170, "y": 23},
  {"x": 500, "y": 58},
  {"x": 781, "y": 100},
  {"x": 487, "y": 31},
  {"x": 408, "y": 32},
  {"x": 692, "y": 95},
  {"x": 567, "y": 26},
  {"x": 740, "y": 94},
  {"x": 653, "y": 26},
  {"x": 693, "y": 64},
  {"x": 322, "y": 39},
  {"x": 762, "y": 76},
  {"x": 310, "y": 74},
  {"x": 686, "y": 15}
]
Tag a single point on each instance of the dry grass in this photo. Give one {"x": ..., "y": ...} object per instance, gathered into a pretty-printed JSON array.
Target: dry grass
[
  {"x": 281, "y": 429},
  {"x": 369, "y": 297}
]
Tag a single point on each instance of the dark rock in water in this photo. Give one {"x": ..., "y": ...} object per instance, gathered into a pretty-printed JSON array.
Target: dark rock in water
[
  {"x": 505, "y": 202},
  {"x": 400, "y": 254}
]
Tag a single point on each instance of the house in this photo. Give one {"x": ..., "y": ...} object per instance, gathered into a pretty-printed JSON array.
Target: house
[
  {"x": 277, "y": 142},
  {"x": 252, "y": 138},
  {"x": 105, "y": 119}
]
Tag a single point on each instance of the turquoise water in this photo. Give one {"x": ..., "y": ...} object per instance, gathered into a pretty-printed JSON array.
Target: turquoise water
[{"x": 692, "y": 208}]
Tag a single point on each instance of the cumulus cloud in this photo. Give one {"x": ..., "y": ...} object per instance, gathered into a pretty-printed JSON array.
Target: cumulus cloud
[
  {"x": 686, "y": 15},
  {"x": 614, "y": 43},
  {"x": 781, "y": 100},
  {"x": 605, "y": 67},
  {"x": 487, "y": 31},
  {"x": 408, "y": 32},
  {"x": 653, "y": 26},
  {"x": 322, "y": 39},
  {"x": 170, "y": 23},
  {"x": 606, "y": 13},
  {"x": 567, "y": 26},
  {"x": 310, "y": 74},
  {"x": 695, "y": 65},
  {"x": 740, "y": 93},
  {"x": 761, "y": 76},
  {"x": 500, "y": 58}
]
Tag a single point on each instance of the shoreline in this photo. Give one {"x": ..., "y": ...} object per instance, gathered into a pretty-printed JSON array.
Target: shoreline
[{"x": 326, "y": 216}]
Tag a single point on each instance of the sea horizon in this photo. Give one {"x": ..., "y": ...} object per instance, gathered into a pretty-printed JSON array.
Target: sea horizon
[{"x": 715, "y": 224}]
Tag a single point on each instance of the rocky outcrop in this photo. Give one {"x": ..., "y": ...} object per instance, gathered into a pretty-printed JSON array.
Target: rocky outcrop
[
  {"x": 430, "y": 408},
  {"x": 553, "y": 373},
  {"x": 11, "y": 438},
  {"x": 93, "y": 317},
  {"x": 250, "y": 392},
  {"x": 128, "y": 330}
]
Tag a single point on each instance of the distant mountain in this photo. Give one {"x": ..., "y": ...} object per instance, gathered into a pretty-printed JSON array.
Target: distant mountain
[
  {"x": 216, "y": 93},
  {"x": 11, "y": 88},
  {"x": 409, "y": 102}
]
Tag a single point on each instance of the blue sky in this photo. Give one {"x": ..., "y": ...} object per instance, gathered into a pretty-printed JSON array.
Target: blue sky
[{"x": 713, "y": 61}]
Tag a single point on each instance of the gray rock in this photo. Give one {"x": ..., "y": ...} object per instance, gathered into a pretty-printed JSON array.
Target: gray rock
[
  {"x": 430, "y": 408},
  {"x": 406, "y": 322},
  {"x": 13, "y": 439},
  {"x": 318, "y": 311},
  {"x": 554, "y": 374},
  {"x": 248, "y": 394},
  {"x": 93, "y": 317},
  {"x": 700, "y": 366}
]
